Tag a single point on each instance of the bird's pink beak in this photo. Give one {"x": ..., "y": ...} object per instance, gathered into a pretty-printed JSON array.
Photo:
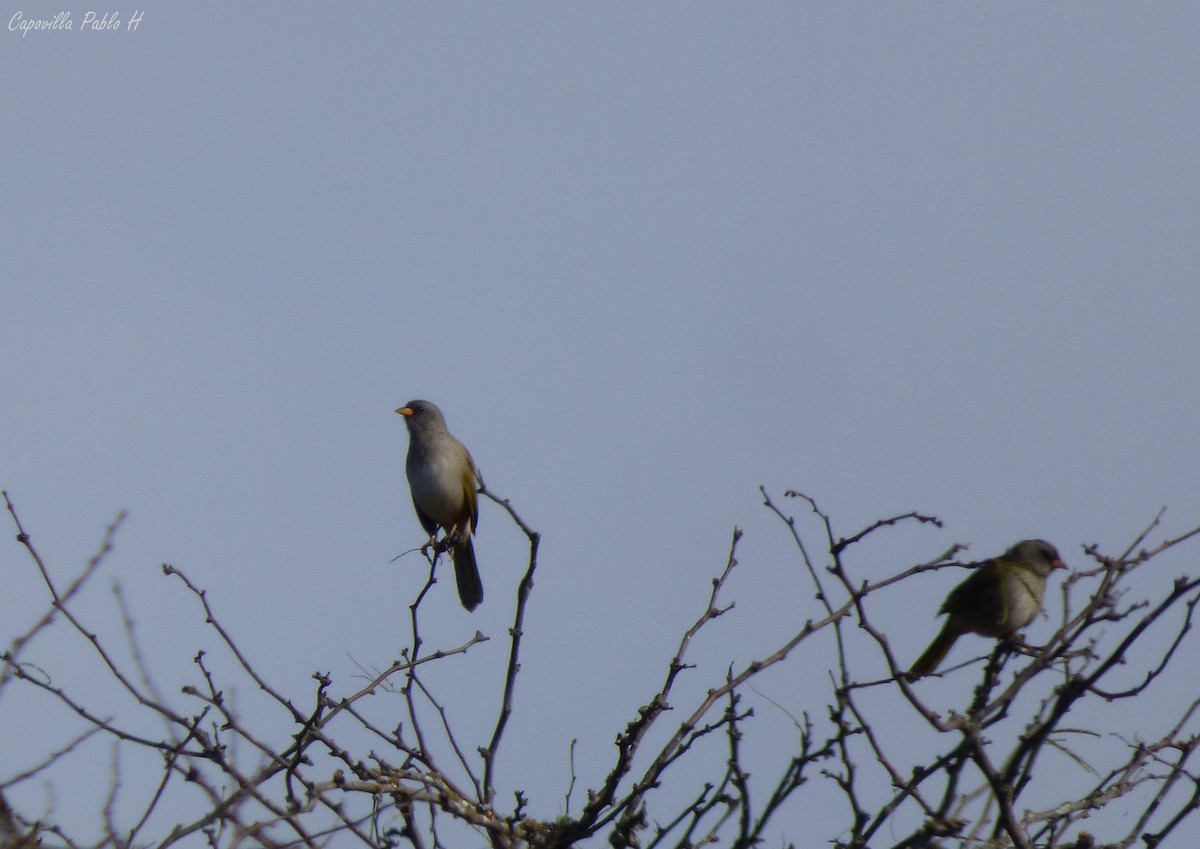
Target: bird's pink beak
[{"x": 405, "y": 411}]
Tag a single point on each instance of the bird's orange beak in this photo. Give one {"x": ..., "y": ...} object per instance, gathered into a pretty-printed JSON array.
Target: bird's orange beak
[
  {"x": 405, "y": 411},
  {"x": 1057, "y": 564}
]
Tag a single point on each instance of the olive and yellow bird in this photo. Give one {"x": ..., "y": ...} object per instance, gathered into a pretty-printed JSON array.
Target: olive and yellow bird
[{"x": 998, "y": 598}]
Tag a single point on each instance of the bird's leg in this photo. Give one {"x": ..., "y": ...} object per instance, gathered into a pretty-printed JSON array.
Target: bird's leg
[
  {"x": 455, "y": 535},
  {"x": 434, "y": 544},
  {"x": 1015, "y": 643}
]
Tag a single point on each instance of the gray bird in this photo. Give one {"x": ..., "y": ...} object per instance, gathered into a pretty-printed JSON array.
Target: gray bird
[
  {"x": 443, "y": 479},
  {"x": 998, "y": 598}
]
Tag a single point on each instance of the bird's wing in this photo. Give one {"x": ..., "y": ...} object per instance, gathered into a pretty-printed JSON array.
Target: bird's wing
[{"x": 427, "y": 523}]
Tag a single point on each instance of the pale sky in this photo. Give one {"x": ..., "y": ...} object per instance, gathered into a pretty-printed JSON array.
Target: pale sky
[{"x": 646, "y": 257}]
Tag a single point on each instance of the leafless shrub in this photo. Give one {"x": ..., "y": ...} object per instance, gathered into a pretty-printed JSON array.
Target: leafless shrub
[{"x": 679, "y": 774}]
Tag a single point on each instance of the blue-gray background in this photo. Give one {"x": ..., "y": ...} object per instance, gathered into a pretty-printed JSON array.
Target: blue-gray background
[{"x": 646, "y": 258}]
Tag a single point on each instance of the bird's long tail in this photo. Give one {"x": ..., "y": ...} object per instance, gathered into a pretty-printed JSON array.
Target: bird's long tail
[
  {"x": 937, "y": 650},
  {"x": 466, "y": 574}
]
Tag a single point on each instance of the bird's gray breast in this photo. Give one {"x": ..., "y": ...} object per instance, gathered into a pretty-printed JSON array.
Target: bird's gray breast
[
  {"x": 1024, "y": 595},
  {"x": 436, "y": 481}
]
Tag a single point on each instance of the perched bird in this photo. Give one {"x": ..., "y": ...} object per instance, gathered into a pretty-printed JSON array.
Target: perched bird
[
  {"x": 999, "y": 598},
  {"x": 443, "y": 479}
]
